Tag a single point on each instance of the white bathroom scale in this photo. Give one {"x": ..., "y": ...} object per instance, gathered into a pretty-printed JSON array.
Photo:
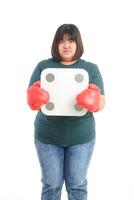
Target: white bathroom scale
[{"x": 63, "y": 85}]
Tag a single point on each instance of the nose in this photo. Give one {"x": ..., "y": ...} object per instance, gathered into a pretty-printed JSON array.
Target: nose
[{"x": 66, "y": 44}]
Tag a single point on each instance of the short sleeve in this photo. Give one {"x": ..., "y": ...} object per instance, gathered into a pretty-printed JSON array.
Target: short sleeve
[
  {"x": 96, "y": 78},
  {"x": 35, "y": 75}
]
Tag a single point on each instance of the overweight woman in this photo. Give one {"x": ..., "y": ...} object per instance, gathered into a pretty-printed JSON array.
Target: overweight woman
[{"x": 65, "y": 144}]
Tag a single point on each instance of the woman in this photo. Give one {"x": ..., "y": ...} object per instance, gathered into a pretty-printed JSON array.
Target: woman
[{"x": 65, "y": 144}]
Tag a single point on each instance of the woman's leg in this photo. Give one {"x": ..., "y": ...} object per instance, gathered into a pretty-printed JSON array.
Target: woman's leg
[
  {"x": 77, "y": 159},
  {"x": 51, "y": 158}
]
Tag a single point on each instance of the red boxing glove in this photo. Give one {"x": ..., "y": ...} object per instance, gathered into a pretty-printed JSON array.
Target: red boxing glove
[
  {"x": 37, "y": 96},
  {"x": 89, "y": 98}
]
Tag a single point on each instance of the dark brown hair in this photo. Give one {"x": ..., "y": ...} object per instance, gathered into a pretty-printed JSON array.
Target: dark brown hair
[{"x": 73, "y": 34}]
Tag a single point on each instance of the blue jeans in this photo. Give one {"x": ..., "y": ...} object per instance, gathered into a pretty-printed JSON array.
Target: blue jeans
[{"x": 69, "y": 164}]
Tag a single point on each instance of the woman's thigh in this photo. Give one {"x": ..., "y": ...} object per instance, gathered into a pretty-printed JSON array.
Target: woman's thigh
[
  {"x": 51, "y": 158},
  {"x": 77, "y": 159}
]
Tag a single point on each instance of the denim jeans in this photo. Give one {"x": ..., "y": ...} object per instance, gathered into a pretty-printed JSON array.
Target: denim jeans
[{"x": 69, "y": 164}]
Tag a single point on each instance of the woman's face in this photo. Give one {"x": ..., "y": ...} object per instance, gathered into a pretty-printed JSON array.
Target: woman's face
[{"x": 67, "y": 49}]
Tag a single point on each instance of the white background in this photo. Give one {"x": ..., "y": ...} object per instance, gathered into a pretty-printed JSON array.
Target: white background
[{"x": 26, "y": 32}]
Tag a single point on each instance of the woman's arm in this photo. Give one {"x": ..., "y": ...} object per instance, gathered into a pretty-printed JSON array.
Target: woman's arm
[{"x": 102, "y": 102}]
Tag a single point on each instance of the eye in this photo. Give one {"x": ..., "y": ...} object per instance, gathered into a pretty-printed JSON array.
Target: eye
[
  {"x": 71, "y": 41},
  {"x": 61, "y": 42}
]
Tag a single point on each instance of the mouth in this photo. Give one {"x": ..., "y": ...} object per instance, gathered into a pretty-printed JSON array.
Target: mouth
[{"x": 66, "y": 51}]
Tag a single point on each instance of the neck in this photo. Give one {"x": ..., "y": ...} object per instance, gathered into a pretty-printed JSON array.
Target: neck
[{"x": 68, "y": 62}]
